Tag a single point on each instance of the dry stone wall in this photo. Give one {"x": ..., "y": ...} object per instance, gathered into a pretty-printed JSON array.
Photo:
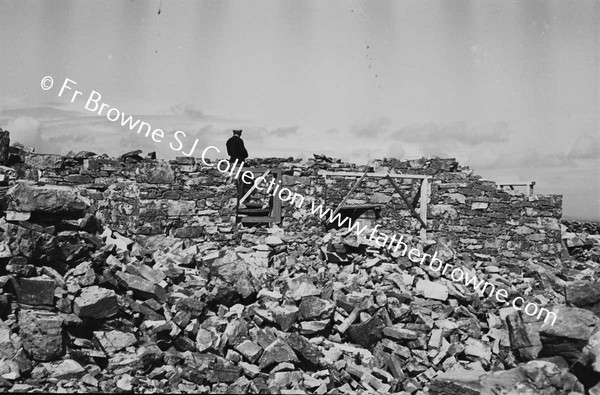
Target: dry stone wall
[{"x": 187, "y": 199}]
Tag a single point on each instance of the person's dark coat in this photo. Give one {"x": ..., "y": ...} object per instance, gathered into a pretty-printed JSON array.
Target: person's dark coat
[{"x": 236, "y": 149}]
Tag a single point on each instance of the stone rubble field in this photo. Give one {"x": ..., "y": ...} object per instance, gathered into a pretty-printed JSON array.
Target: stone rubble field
[{"x": 273, "y": 312}]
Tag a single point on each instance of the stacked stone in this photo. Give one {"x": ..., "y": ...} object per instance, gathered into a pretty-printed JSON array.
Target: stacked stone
[{"x": 146, "y": 196}]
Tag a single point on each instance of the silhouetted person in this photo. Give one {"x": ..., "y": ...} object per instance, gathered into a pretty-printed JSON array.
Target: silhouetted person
[
  {"x": 235, "y": 148},
  {"x": 237, "y": 151}
]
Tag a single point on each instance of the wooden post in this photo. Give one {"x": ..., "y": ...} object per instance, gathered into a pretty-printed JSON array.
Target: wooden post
[
  {"x": 349, "y": 193},
  {"x": 412, "y": 210},
  {"x": 423, "y": 209}
]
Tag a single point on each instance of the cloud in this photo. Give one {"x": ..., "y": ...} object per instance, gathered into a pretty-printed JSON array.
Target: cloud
[
  {"x": 396, "y": 150},
  {"x": 515, "y": 157},
  {"x": 455, "y": 132},
  {"x": 376, "y": 127},
  {"x": 586, "y": 146},
  {"x": 187, "y": 110},
  {"x": 25, "y": 130},
  {"x": 284, "y": 132}
]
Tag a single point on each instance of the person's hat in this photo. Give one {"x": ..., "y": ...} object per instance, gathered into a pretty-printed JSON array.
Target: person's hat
[{"x": 238, "y": 132}]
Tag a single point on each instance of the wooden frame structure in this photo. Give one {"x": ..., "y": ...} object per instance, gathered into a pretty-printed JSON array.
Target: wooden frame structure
[
  {"x": 512, "y": 186},
  {"x": 275, "y": 208},
  {"x": 421, "y": 196}
]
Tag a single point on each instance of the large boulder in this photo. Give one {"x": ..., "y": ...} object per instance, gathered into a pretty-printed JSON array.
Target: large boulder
[
  {"x": 570, "y": 334},
  {"x": 534, "y": 377},
  {"x": 584, "y": 294},
  {"x": 33, "y": 242},
  {"x": 523, "y": 331},
  {"x": 51, "y": 199},
  {"x": 42, "y": 334}
]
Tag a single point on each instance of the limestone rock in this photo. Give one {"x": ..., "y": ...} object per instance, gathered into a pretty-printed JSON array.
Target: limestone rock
[
  {"x": 37, "y": 291},
  {"x": 141, "y": 287},
  {"x": 584, "y": 294},
  {"x": 534, "y": 377},
  {"x": 96, "y": 302},
  {"x": 314, "y": 308},
  {"x": 524, "y": 335},
  {"x": 68, "y": 369},
  {"x": 432, "y": 290},
  {"x": 52, "y": 199},
  {"x": 279, "y": 351},
  {"x": 457, "y": 382},
  {"x": 570, "y": 334},
  {"x": 42, "y": 334},
  {"x": 113, "y": 341},
  {"x": 250, "y": 350},
  {"x": 285, "y": 316}
]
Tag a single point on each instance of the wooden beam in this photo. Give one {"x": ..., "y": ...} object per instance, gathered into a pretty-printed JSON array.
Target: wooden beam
[
  {"x": 512, "y": 186},
  {"x": 258, "y": 220},
  {"x": 243, "y": 199},
  {"x": 348, "y": 194},
  {"x": 412, "y": 210},
  {"x": 517, "y": 184},
  {"x": 379, "y": 175}
]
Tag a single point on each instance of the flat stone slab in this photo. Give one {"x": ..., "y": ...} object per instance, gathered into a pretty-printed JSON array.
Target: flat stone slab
[
  {"x": 96, "y": 302},
  {"x": 36, "y": 291}
]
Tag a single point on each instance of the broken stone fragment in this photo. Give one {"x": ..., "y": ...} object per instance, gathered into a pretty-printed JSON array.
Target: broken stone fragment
[
  {"x": 570, "y": 334},
  {"x": 584, "y": 294},
  {"x": 285, "y": 316},
  {"x": 250, "y": 350},
  {"x": 42, "y": 334},
  {"x": 121, "y": 242},
  {"x": 204, "y": 339},
  {"x": 7, "y": 348},
  {"x": 9, "y": 370},
  {"x": 524, "y": 335},
  {"x": 432, "y": 290},
  {"x": 313, "y": 327},
  {"x": 457, "y": 381},
  {"x": 273, "y": 241},
  {"x": 534, "y": 377},
  {"x": 368, "y": 333},
  {"x": 315, "y": 308},
  {"x": 113, "y": 341},
  {"x": 96, "y": 302},
  {"x": 398, "y": 333},
  {"x": 284, "y": 379},
  {"x": 35, "y": 245},
  {"x": 279, "y": 351},
  {"x": 125, "y": 383},
  {"x": 67, "y": 369},
  {"x": 36, "y": 291},
  {"x": 476, "y": 348},
  {"x": 305, "y": 349},
  {"x": 142, "y": 288},
  {"x": 301, "y": 287},
  {"x": 218, "y": 373}
]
